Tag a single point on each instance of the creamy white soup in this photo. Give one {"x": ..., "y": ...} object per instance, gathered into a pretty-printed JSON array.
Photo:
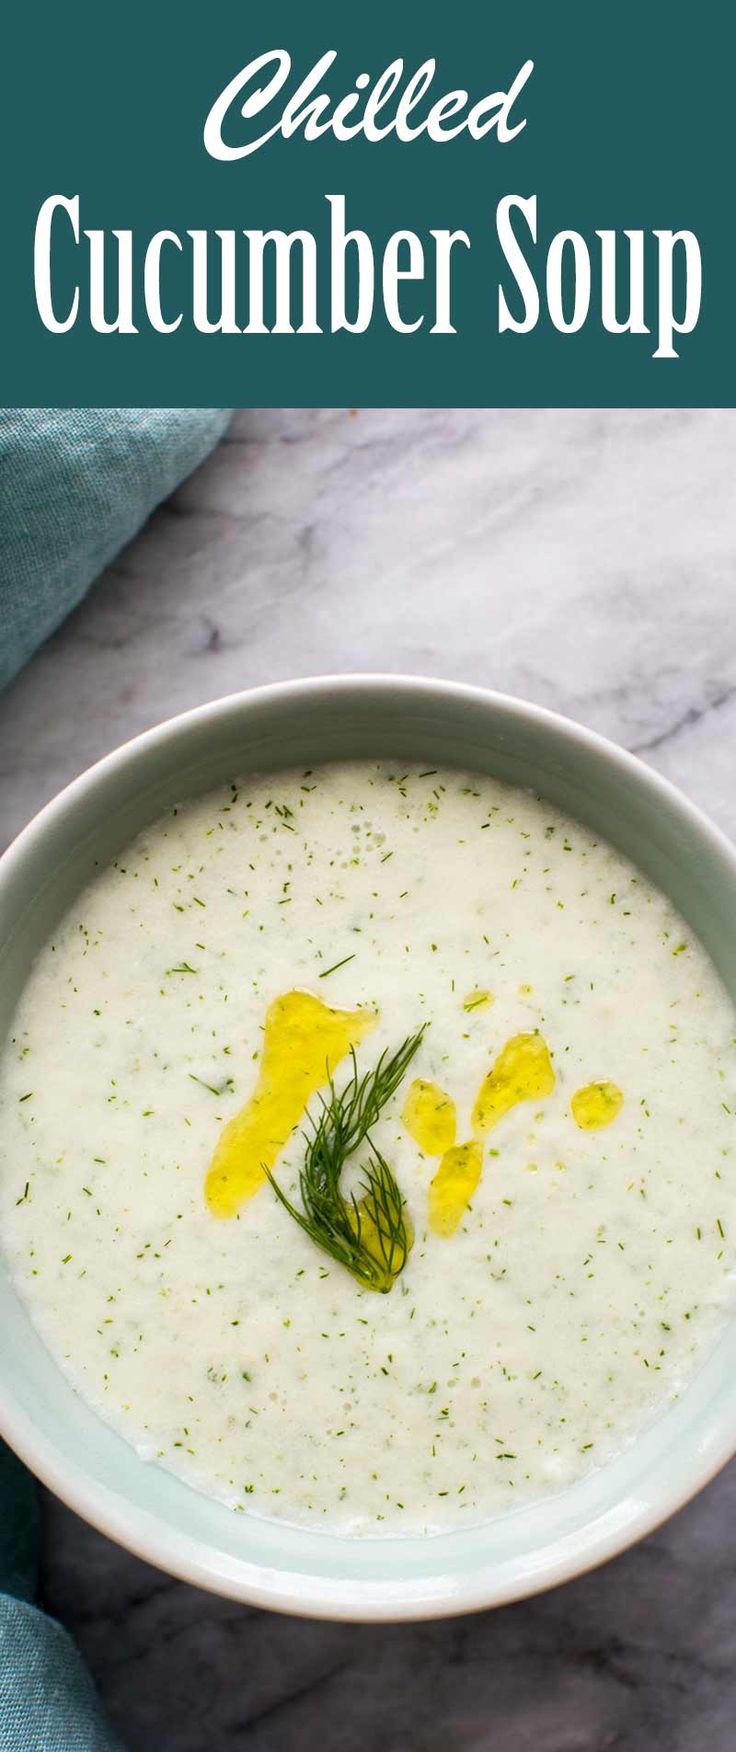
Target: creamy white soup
[{"x": 367, "y": 1147}]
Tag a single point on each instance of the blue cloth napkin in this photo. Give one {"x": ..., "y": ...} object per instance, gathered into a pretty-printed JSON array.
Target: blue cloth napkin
[
  {"x": 75, "y": 485},
  {"x": 47, "y": 1700}
]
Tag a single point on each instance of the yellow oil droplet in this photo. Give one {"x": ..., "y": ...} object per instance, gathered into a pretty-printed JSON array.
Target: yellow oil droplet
[
  {"x": 477, "y": 1000},
  {"x": 522, "y": 1072},
  {"x": 303, "y": 1042},
  {"x": 453, "y": 1186},
  {"x": 429, "y": 1116},
  {"x": 596, "y": 1105},
  {"x": 525, "y": 991}
]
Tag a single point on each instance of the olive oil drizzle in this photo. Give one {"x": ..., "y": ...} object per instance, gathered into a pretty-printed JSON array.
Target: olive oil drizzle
[{"x": 304, "y": 1041}]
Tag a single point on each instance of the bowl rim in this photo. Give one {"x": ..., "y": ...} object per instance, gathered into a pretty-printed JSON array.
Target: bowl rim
[{"x": 146, "y": 1535}]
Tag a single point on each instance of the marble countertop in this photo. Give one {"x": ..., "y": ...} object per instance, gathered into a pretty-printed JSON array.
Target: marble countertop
[{"x": 588, "y": 561}]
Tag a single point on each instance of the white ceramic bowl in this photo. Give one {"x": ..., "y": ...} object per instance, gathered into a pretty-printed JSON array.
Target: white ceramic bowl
[{"x": 90, "y": 1467}]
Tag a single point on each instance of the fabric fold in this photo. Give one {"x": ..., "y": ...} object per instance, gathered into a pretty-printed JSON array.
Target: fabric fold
[
  {"x": 76, "y": 484},
  {"x": 47, "y": 1700}
]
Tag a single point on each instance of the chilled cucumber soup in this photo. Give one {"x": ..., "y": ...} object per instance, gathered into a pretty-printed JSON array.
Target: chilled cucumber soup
[{"x": 560, "y": 1188}]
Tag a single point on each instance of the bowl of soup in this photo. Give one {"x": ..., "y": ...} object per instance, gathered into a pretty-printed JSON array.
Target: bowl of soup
[{"x": 367, "y": 1172}]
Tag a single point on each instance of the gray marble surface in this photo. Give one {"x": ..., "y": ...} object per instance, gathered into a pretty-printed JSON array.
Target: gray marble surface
[{"x": 588, "y": 561}]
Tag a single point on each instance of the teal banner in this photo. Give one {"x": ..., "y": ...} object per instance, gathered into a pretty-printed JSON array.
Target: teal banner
[{"x": 407, "y": 205}]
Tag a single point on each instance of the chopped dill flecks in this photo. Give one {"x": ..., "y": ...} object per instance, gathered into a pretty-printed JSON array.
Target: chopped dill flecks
[{"x": 336, "y": 964}]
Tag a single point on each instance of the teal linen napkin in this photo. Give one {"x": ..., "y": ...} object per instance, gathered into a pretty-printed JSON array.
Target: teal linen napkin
[
  {"x": 75, "y": 485},
  {"x": 47, "y": 1700},
  {"x": 18, "y": 1530}
]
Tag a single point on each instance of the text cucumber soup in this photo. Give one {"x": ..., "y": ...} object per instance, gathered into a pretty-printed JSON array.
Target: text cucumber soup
[{"x": 367, "y": 1147}]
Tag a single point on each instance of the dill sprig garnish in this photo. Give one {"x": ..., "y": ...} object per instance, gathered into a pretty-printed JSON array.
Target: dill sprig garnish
[{"x": 371, "y": 1234}]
